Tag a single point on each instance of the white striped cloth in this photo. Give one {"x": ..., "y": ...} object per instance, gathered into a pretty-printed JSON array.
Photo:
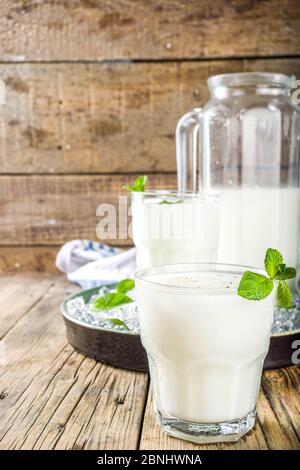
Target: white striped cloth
[{"x": 92, "y": 264}]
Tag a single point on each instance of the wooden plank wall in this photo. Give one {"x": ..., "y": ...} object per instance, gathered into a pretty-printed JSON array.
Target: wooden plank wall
[{"x": 94, "y": 89}]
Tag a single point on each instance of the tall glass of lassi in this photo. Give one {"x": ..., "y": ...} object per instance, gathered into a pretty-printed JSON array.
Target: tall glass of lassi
[
  {"x": 206, "y": 347},
  {"x": 171, "y": 227}
]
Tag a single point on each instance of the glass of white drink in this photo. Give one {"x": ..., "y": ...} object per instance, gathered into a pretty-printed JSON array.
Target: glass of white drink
[
  {"x": 206, "y": 347},
  {"x": 171, "y": 227}
]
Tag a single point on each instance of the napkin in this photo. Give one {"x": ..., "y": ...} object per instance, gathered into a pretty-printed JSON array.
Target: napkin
[{"x": 92, "y": 264}]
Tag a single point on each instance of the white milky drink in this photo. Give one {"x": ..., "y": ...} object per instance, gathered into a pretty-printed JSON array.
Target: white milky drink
[
  {"x": 206, "y": 345},
  {"x": 236, "y": 227},
  {"x": 170, "y": 228},
  {"x": 254, "y": 219}
]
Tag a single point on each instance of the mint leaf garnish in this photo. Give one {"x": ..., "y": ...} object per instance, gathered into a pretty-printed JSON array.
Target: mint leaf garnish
[
  {"x": 111, "y": 300},
  {"x": 165, "y": 201},
  {"x": 281, "y": 267},
  {"x": 125, "y": 285},
  {"x": 117, "y": 321},
  {"x": 285, "y": 273},
  {"x": 284, "y": 295},
  {"x": 254, "y": 286},
  {"x": 138, "y": 185},
  {"x": 273, "y": 259},
  {"x": 114, "y": 299}
]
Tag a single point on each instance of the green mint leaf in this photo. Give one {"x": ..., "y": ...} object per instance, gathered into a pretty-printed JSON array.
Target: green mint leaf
[
  {"x": 273, "y": 259},
  {"x": 284, "y": 295},
  {"x": 117, "y": 321},
  {"x": 138, "y": 185},
  {"x": 290, "y": 273},
  {"x": 281, "y": 267},
  {"x": 165, "y": 201},
  {"x": 111, "y": 300},
  {"x": 254, "y": 286},
  {"x": 125, "y": 285},
  {"x": 286, "y": 273}
]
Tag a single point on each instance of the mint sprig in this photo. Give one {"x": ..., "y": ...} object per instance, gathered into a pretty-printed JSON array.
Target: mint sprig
[
  {"x": 125, "y": 286},
  {"x": 284, "y": 272},
  {"x": 117, "y": 321},
  {"x": 114, "y": 299},
  {"x": 138, "y": 185},
  {"x": 284, "y": 295},
  {"x": 273, "y": 260},
  {"x": 254, "y": 286},
  {"x": 111, "y": 300}
]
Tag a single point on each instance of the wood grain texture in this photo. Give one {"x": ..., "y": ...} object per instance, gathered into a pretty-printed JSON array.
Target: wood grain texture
[
  {"x": 282, "y": 390},
  {"x": 277, "y": 425},
  {"x": 47, "y": 210},
  {"x": 104, "y": 118},
  {"x": 146, "y": 29},
  {"x": 18, "y": 295},
  {"x": 53, "y": 397},
  {"x": 28, "y": 258}
]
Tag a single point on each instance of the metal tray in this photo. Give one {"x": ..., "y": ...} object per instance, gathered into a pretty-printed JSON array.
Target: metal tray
[
  {"x": 116, "y": 348},
  {"x": 125, "y": 350}
]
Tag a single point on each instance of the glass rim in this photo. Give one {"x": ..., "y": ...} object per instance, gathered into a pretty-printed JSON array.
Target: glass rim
[
  {"x": 228, "y": 80},
  {"x": 202, "y": 195},
  {"x": 142, "y": 275}
]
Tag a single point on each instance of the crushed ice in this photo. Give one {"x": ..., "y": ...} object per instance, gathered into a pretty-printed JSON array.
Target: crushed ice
[
  {"x": 83, "y": 312},
  {"x": 285, "y": 320}
]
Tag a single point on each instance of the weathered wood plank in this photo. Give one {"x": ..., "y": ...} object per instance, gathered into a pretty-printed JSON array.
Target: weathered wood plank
[
  {"x": 24, "y": 259},
  {"x": 53, "y": 209},
  {"x": 104, "y": 118},
  {"x": 143, "y": 29},
  {"x": 18, "y": 294},
  {"x": 282, "y": 390},
  {"x": 277, "y": 422},
  {"x": 114, "y": 404},
  {"x": 16, "y": 259},
  {"x": 54, "y": 397}
]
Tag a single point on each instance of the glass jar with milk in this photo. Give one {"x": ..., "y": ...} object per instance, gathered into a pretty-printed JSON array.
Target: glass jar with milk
[{"x": 245, "y": 143}]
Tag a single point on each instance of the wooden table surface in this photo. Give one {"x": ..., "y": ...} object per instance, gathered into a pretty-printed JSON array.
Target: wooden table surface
[{"x": 52, "y": 397}]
